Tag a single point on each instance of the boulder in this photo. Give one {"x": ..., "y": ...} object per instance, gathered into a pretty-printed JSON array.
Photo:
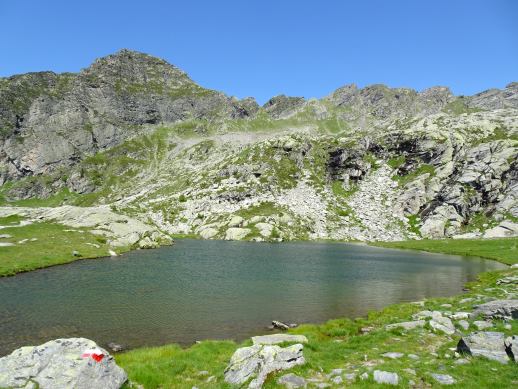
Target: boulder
[
  {"x": 236, "y": 233},
  {"x": 503, "y": 230},
  {"x": 236, "y": 221},
  {"x": 498, "y": 309},
  {"x": 384, "y": 377},
  {"x": 278, "y": 338},
  {"x": 265, "y": 229},
  {"x": 208, "y": 233},
  {"x": 441, "y": 323},
  {"x": 484, "y": 344},
  {"x": 292, "y": 381},
  {"x": 254, "y": 363},
  {"x": 62, "y": 363}
]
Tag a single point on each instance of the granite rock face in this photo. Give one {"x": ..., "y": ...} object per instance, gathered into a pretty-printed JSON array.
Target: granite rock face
[
  {"x": 61, "y": 364},
  {"x": 253, "y": 364}
]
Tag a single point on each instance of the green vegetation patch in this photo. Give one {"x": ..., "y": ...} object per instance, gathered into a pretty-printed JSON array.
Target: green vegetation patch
[
  {"x": 45, "y": 244},
  {"x": 422, "y": 169},
  {"x": 503, "y": 250}
]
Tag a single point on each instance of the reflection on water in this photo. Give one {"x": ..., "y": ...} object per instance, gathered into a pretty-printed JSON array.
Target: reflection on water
[{"x": 213, "y": 289}]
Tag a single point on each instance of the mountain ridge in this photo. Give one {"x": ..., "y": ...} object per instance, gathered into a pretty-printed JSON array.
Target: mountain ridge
[{"x": 375, "y": 163}]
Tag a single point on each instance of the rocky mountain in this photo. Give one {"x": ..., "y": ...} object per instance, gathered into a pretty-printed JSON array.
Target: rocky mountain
[{"x": 135, "y": 133}]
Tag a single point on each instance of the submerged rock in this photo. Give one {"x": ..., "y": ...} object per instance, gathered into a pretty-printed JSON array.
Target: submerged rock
[
  {"x": 61, "y": 364},
  {"x": 256, "y": 362}
]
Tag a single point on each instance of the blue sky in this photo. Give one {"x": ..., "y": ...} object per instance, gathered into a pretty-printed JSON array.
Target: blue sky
[{"x": 264, "y": 48}]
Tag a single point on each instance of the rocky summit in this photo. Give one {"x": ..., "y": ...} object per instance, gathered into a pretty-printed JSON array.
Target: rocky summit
[{"x": 134, "y": 136}]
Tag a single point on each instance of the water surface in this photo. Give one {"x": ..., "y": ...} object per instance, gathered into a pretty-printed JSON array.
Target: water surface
[{"x": 200, "y": 289}]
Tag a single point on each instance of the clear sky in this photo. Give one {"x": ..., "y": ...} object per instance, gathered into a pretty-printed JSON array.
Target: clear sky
[{"x": 262, "y": 48}]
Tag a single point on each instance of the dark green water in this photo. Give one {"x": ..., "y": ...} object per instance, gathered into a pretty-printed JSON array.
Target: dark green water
[{"x": 201, "y": 289}]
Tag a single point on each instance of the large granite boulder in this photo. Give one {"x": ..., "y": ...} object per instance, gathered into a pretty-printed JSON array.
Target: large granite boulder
[
  {"x": 254, "y": 363},
  {"x": 484, "y": 344},
  {"x": 498, "y": 309},
  {"x": 62, "y": 363}
]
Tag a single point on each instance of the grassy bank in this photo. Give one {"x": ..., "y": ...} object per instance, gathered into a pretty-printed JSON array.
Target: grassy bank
[
  {"x": 40, "y": 245},
  {"x": 503, "y": 250},
  {"x": 341, "y": 343}
]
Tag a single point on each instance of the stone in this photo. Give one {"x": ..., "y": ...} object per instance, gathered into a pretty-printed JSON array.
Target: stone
[
  {"x": 443, "y": 379},
  {"x": 208, "y": 233},
  {"x": 498, "y": 309},
  {"x": 464, "y": 324},
  {"x": 236, "y": 233},
  {"x": 482, "y": 325},
  {"x": 265, "y": 229},
  {"x": 236, "y": 221},
  {"x": 350, "y": 376},
  {"x": 407, "y": 325},
  {"x": 112, "y": 253},
  {"x": 279, "y": 338},
  {"x": 385, "y": 377},
  {"x": 511, "y": 347},
  {"x": 280, "y": 325},
  {"x": 441, "y": 323},
  {"x": 115, "y": 347},
  {"x": 508, "y": 280},
  {"x": 5, "y": 236},
  {"x": 61, "y": 364},
  {"x": 460, "y": 315},
  {"x": 413, "y": 356},
  {"x": 393, "y": 355},
  {"x": 337, "y": 380},
  {"x": 364, "y": 376},
  {"x": 422, "y": 315},
  {"x": 484, "y": 344},
  {"x": 256, "y": 362},
  {"x": 503, "y": 230},
  {"x": 292, "y": 381}
]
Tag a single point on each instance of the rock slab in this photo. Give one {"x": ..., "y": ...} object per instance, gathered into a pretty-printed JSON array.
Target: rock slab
[
  {"x": 484, "y": 344},
  {"x": 60, "y": 364},
  {"x": 254, "y": 363},
  {"x": 498, "y": 309}
]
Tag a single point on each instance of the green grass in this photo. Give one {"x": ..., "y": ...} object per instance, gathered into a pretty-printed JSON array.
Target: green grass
[
  {"x": 340, "y": 343},
  {"x": 53, "y": 246},
  {"x": 503, "y": 250},
  {"x": 422, "y": 169}
]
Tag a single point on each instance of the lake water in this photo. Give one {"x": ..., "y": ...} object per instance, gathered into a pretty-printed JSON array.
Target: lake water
[{"x": 200, "y": 289}]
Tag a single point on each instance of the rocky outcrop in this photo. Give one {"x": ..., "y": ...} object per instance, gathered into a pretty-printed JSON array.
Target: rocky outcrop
[
  {"x": 484, "y": 344},
  {"x": 65, "y": 117},
  {"x": 61, "y": 364},
  {"x": 253, "y": 364},
  {"x": 498, "y": 309}
]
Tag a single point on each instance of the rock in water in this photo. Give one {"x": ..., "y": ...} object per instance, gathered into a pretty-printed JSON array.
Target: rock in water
[
  {"x": 485, "y": 344},
  {"x": 498, "y": 309},
  {"x": 280, "y": 325},
  {"x": 256, "y": 362},
  {"x": 61, "y": 363}
]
